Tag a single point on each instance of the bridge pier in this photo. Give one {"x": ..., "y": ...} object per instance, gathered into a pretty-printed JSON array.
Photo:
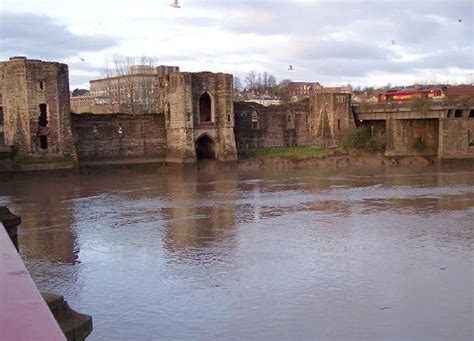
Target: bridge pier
[
  {"x": 412, "y": 137},
  {"x": 441, "y": 129}
]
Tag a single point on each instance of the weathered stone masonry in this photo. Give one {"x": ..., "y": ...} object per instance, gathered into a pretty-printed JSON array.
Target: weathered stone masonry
[
  {"x": 35, "y": 103},
  {"x": 321, "y": 121},
  {"x": 199, "y": 116},
  {"x": 119, "y": 136},
  {"x": 196, "y": 120}
]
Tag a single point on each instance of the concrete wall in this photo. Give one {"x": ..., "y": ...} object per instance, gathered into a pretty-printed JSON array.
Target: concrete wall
[{"x": 116, "y": 136}]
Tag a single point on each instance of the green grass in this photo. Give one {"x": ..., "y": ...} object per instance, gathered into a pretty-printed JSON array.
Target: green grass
[{"x": 288, "y": 153}]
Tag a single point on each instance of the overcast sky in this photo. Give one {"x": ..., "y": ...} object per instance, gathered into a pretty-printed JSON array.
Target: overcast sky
[{"x": 333, "y": 42}]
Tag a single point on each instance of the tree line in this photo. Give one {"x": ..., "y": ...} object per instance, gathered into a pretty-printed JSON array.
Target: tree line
[{"x": 264, "y": 83}]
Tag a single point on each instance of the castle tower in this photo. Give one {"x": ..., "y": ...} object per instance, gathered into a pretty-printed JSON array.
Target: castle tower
[
  {"x": 35, "y": 105},
  {"x": 199, "y": 116},
  {"x": 331, "y": 112}
]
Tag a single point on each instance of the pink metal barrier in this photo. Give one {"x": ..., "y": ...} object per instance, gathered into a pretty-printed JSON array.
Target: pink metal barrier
[{"x": 24, "y": 314}]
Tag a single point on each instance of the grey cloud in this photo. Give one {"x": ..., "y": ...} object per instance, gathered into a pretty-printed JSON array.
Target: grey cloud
[
  {"x": 38, "y": 36},
  {"x": 78, "y": 81},
  {"x": 83, "y": 66},
  {"x": 193, "y": 21},
  {"x": 336, "y": 49},
  {"x": 462, "y": 59}
]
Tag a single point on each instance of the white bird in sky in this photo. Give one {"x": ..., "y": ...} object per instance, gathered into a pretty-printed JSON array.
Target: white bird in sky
[{"x": 175, "y": 4}]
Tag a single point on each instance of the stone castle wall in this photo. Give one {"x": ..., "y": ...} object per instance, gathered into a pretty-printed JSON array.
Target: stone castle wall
[
  {"x": 29, "y": 87},
  {"x": 182, "y": 95},
  {"x": 119, "y": 136},
  {"x": 257, "y": 126},
  {"x": 331, "y": 113},
  {"x": 321, "y": 121}
]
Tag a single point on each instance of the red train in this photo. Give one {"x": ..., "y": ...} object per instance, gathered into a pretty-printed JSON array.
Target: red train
[{"x": 397, "y": 95}]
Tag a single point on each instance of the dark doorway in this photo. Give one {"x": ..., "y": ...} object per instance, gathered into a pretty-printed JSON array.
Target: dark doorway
[
  {"x": 205, "y": 112},
  {"x": 205, "y": 148},
  {"x": 43, "y": 142}
]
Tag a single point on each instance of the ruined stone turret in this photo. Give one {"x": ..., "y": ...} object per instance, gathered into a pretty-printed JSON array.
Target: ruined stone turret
[
  {"x": 35, "y": 106},
  {"x": 331, "y": 112}
]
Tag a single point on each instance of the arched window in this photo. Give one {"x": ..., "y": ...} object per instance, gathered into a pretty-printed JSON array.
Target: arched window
[{"x": 205, "y": 108}]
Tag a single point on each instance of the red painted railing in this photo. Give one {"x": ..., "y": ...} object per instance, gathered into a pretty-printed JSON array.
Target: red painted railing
[{"x": 24, "y": 315}]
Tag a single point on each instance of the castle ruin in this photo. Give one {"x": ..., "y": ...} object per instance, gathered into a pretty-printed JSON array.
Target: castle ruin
[
  {"x": 199, "y": 116},
  {"x": 35, "y": 107}
]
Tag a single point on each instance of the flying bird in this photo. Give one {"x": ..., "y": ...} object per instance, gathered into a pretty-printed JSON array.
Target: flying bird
[
  {"x": 290, "y": 68},
  {"x": 393, "y": 42},
  {"x": 175, "y": 4},
  {"x": 459, "y": 20},
  {"x": 82, "y": 59}
]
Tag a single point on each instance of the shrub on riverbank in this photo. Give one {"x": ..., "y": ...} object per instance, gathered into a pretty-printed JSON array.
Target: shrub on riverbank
[
  {"x": 360, "y": 138},
  {"x": 287, "y": 153}
]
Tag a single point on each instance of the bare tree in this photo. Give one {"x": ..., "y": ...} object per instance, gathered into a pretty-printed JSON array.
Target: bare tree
[
  {"x": 265, "y": 76},
  {"x": 271, "y": 81},
  {"x": 251, "y": 80},
  {"x": 237, "y": 83},
  {"x": 130, "y": 85},
  {"x": 283, "y": 90}
]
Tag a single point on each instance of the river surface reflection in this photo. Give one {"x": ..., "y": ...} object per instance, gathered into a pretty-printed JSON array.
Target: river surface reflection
[{"x": 208, "y": 252}]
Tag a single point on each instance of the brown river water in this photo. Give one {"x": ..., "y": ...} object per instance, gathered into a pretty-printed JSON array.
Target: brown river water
[{"x": 210, "y": 252}]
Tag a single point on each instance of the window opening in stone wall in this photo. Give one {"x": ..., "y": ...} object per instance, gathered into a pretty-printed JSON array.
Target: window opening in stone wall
[
  {"x": 306, "y": 118},
  {"x": 168, "y": 113},
  {"x": 255, "y": 120},
  {"x": 1, "y": 126},
  {"x": 340, "y": 99},
  {"x": 228, "y": 117},
  {"x": 290, "y": 122},
  {"x": 470, "y": 140},
  {"x": 42, "y": 124},
  {"x": 43, "y": 117},
  {"x": 458, "y": 113},
  {"x": 41, "y": 85},
  {"x": 471, "y": 113},
  {"x": 205, "y": 112},
  {"x": 338, "y": 124}
]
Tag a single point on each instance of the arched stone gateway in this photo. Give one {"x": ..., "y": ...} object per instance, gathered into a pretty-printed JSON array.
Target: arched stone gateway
[{"x": 205, "y": 148}]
